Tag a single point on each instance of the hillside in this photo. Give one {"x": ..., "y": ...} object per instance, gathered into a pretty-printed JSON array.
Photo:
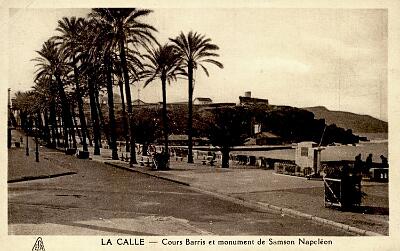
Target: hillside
[{"x": 356, "y": 122}]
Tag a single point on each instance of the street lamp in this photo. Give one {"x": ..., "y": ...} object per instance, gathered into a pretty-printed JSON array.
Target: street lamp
[
  {"x": 27, "y": 146},
  {"x": 37, "y": 147}
]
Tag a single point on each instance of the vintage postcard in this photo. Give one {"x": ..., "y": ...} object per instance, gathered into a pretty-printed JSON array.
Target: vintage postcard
[{"x": 148, "y": 125}]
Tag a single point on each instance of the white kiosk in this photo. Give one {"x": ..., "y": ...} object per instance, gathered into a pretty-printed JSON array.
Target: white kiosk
[{"x": 308, "y": 156}]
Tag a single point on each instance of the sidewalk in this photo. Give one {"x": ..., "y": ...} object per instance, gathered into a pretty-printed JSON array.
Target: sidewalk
[
  {"x": 28, "y": 168},
  {"x": 293, "y": 195}
]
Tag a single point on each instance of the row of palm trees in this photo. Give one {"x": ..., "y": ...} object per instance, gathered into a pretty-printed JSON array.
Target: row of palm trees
[{"x": 91, "y": 55}]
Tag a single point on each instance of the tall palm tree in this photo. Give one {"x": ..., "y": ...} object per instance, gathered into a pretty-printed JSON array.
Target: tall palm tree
[
  {"x": 135, "y": 67},
  {"x": 164, "y": 64},
  {"x": 71, "y": 40},
  {"x": 127, "y": 28},
  {"x": 103, "y": 45},
  {"x": 91, "y": 58},
  {"x": 51, "y": 62},
  {"x": 195, "y": 50}
]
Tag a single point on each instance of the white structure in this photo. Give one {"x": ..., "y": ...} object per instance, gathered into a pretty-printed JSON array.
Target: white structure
[
  {"x": 308, "y": 154},
  {"x": 257, "y": 128},
  {"x": 202, "y": 101}
]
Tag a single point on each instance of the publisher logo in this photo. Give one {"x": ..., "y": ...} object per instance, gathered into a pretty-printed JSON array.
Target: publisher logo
[{"x": 39, "y": 246}]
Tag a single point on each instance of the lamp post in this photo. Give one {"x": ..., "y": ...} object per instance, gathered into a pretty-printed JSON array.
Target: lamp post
[
  {"x": 37, "y": 147},
  {"x": 27, "y": 146}
]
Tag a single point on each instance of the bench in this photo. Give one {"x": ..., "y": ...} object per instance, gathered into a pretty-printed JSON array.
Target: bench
[
  {"x": 145, "y": 160},
  {"x": 70, "y": 151},
  {"x": 210, "y": 161},
  {"x": 178, "y": 158},
  {"x": 126, "y": 158},
  {"x": 380, "y": 174},
  {"x": 83, "y": 154}
]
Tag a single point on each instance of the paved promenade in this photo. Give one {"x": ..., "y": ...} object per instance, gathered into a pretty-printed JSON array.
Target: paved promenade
[
  {"x": 260, "y": 188},
  {"x": 279, "y": 192}
]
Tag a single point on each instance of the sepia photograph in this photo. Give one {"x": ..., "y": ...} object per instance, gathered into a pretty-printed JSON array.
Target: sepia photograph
[{"x": 268, "y": 126}]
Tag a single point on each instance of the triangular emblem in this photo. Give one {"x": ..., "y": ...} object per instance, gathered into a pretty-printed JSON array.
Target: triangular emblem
[{"x": 39, "y": 246}]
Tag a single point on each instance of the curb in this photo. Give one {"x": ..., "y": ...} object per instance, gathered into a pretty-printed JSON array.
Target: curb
[
  {"x": 28, "y": 178},
  {"x": 146, "y": 173},
  {"x": 260, "y": 205}
]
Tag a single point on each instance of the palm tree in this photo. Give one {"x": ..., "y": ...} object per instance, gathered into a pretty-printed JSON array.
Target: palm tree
[
  {"x": 103, "y": 46},
  {"x": 126, "y": 28},
  {"x": 91, "y": 68},
  {"x": 195, "y": 50},
  {"x": 71, "y": 30},
  {"x": 164, "y": 64},
  {"x": 51, "y": 63}
]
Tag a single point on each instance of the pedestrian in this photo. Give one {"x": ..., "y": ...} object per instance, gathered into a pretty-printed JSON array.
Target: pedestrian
[
  {"x": 368, "y": 163},
  {"x": 345, "y": 171},
  {"x": 384, "y": 162},
  {"x": 358, "y": 165}
]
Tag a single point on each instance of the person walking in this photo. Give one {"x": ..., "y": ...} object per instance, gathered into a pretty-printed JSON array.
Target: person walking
[
  {"x": 358, "y": 165},
  {"x": 368, "y": 164}
]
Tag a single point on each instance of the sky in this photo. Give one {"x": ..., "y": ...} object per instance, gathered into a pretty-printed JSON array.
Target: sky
[{"x": 335, "y": 58}]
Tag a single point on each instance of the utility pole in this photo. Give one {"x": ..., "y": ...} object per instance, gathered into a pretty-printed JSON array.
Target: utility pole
[{"x": 9, "y": 120}]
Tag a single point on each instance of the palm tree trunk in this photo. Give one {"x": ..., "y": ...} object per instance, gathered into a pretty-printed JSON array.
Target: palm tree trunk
[
  {"x": 225, "y": 157},
  {"x": 164, "y": 112},
  {"x": 88, "y": 136},
  {"x": 39, "y": 125},
  {"x": 190, "y": 117},
  {"x": 76, "y": 122},
  {"x": 101, "y": 119},
  {"x": 53, "y": 122},
  {"x": 128, "y": 101},
  {"x": 47, "y": 136},
  {"x": 72, "y": 128},
  {"x": 63, "y": 133},
  {"x": 124, "y": 119},
  {"x": 59, "y": 130},
  {"x": 145, "y": 147},
  {"x": 113, "y": 133},
  {"x": 80, "y": 108},
  {"x": 95, "y": 117},
  {"x": 65, "y": 109}
]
